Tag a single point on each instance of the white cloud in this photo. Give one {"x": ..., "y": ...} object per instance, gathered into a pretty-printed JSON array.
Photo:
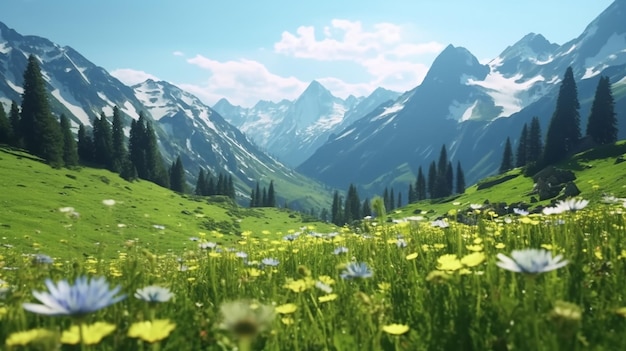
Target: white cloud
[
  {"x": 384, "y": 51},
  {"x": 243, "y": 82},
  {"x": 130, "y": 76},
  {"x": 178, "y": 53}
]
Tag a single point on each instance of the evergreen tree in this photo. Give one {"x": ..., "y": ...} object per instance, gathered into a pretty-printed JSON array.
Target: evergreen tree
[
  {"x": 210, "y": 184},
  {"x": 602, "y": 124},
  {"x": 252, "y": 198},
  {"x": 221, "y": 185},
  {"x": 392, "y": 201},
  {"x": 507, "y": 157},
  {"x": 264, "y": 198},
  {"x": 84, "y": 146},
  {"x": 460, "y": 179},
  {"x": 420, "y": 185},
  {"x": 564, "y": 130},
  {"x": 128, "y": 170},
  {"x": 154, "y": 161},
  {"x": 6, "y": 133},
  {"x": 352, "y": 208},
  {"x": 336, "y": 210},
  {"x": 70, "y": 149},
  {"x": 432, "y": 180},
  {"x": 386, "y": 197},
  {"x": 230, "y": 186},
  {"x": 258, "y": 199},
  {"x": 39, "y": 129},
  {"x": 366, "y": 210},
  {"x": 16, "y": 128},
  {"x": 411, "y": 194},
  {"x": 324, "y": 215},
  {"x": 442, "y": 185},
  {"x": 535, "y": 145},
  {"x": 271, "y": 196},
  {"x": 177, "y": 176},
  {"x": 449, "y": 179},
  {"x": 399, "y": 200},
  {"x": 200, "y": 183},
  {"x": 137, "y": 146},
  {"x": 522, "y": 148},
  {"x": 102, "y": 141},
  {"x": 117, "y": 139}
]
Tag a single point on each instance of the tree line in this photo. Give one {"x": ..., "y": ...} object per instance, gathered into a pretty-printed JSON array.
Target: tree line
[{"x": 564, "y": 136}]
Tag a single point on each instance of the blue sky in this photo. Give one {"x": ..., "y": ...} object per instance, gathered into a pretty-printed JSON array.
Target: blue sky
[{"x": 252, "y": 50}]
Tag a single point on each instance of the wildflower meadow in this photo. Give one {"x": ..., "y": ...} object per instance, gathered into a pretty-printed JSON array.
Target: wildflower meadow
[{"x": 547, "y": 281}]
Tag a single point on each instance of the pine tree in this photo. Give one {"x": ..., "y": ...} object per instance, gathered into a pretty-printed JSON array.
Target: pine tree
[
  {"x": 522, "y": 148},
  {"x": 449, "y": 179},
  {"x": 137, "y": 146},
  {"x": 210, "y": 184},
  {"x": 271, "y": 196},
  {"x": 14, "y": 118},
  {"x": 102, "y": 142},
  {"x": 386, "y": 197},
  {"x": 177, "y": 176},
  {"x": 128, "y": 170},
  {"x": 399, "y": 200},
  {"x": 336, "y": 210},
  {"x": 564, "y": 130},
  {"x": 264, "y": 198},
  {"x": 200, "y": 183},
  {"x": 460, "y": 179},
  {"x": 602, "y": 124},
  {"x": 85, "y": 146},
  {"x": 154, "y": 161},
  {"x": 411, "y": 194},
  {"x": 39, "y": 129},
  {"x": 392, "y": 201},
  {"x": 507, "y": 157},
  {"x": 6, "y": 133},
  {"x": 432, "y": 180},
  {"x": 420, "y": 185},
  {"x": 366, "y": 210},
  {"x": 535, "y": 145},
  {"x": 258, "y": 201},
  {"x": 117, "y": 139},
  {"x": 352, "y": 208},
  {"x": 221, "y": 185},
  {"x": 230, "y": 185},
  {"x": 443, "y": 185},
  {"x": 70, "y": 149}
]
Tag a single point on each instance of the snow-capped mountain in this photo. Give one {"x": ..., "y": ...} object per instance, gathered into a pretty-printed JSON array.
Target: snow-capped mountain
[
  {"x": 293, "y": 130},
  {"x": 184, "y": 125},
  {"x": 473, "y": 107},
  {"x": 77, "y": 87}
]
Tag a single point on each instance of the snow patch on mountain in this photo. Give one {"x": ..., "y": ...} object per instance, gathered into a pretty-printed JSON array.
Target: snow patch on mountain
[
  {"x": 4, "y": 48},
  {"x": 17, "y": 89},
  {"x": 469, "y": 111},
  {"x": 389, "y": 110},
  {"x": 72, "y": 106},
  {"x": 130, "y": 110},
  {"x": 505, "y": 92},
  {"x": 81, "y": 70},
  {"x": 615, "y": 43}
]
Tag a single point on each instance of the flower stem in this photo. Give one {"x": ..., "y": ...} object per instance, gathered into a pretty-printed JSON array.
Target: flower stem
[
  {"x": 245, "y": 344},
  {"x": 81, "y": 334}
]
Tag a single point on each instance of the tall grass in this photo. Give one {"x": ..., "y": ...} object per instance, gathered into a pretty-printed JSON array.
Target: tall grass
[{"x": 436, "y": 289}]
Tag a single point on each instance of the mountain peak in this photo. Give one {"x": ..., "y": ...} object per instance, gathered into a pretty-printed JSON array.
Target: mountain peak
[
  {"x": 533, "y": 47},
  {"x": 453, "y": 63},
  {"x": 222, "y": 103}
]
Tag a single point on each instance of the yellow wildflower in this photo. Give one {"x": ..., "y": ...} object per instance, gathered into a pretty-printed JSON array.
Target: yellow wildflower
[
  {"x": 151, "y": 331},
  {"x": 396, "y": 329},
  {"x": 34, "y": 335},
  {"x": 448, "y": 262},
  {"x": 473, "y": 259},
  {"x": 92, "y": 333},
  {"x": 287, "y": 308},
  {"x": 411, "y": 256},
  {"x": 327, "y": 298}
]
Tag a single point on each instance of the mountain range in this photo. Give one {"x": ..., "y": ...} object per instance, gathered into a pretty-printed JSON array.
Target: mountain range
[
  {"x": 473, "y": 107},
  {"x": 375, "y": 142}
]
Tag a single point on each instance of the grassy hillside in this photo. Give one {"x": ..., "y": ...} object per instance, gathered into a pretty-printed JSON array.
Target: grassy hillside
[
  {"x": 597, "y": 173},
  {"x": 33, "y": 195}
]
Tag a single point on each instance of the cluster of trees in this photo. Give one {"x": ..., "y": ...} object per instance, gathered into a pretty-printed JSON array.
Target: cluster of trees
[
  {"x": 208, "y": 185},
  {"x": 440, "y": 181},
  {"x": 564, "y": 135},
  {"x": 350, "y": 209},
  {"x": 263, "y": 198}
]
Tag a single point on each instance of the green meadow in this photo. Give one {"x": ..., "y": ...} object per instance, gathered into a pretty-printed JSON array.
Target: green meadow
[{"x": 232, "y": 278}]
